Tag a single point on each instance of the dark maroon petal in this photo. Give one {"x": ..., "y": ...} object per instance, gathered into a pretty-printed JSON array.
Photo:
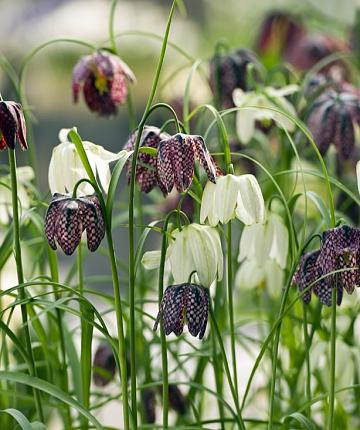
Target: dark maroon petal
[
  {"x": 68, "y": 226},
  {"x": 148, "y": 398},
  {"x": 165, "y": 165},
  {"x": 93, "y": 221},
  {"x": 197, "y": 305},
  {"x": 21, "y": 134},
  {"x": 172, "y": 310},
  {"x": 306, "y": 274},
  {"x": 202, "y": 153},
  {"x": 323, "y": 291},
  {"x": 50, "y": 220},
  {"x": 81, "y": 71},
  {"x": 8, "y": 124},
  {"x": 344, "y": 138},
  {"x": 104, "y": 365},
  {"x": 176, "y": 399},
  {"x": 118, "y": 89}
]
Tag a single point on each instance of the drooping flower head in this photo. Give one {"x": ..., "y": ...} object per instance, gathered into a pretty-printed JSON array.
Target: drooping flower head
[
  {"x": 331, "y": 120},
  {"x": 103, "y": 78},
  {"x": 67, "y": 218},
  {"x": 175, "y": 161},
  {"x": 148, "y": 400},
  {"x": 12, "y": 126},
  {"x": 184, "y": 304},
  {"x": 104, "y": 365},
  {"x": 233, "y": 196},
  {"x": 278, "y": 33},
  {"x": 340, "y": 249},
  {"x": 66, "y": 167},
  {"x": 147, "y": 177},
  {"x": 263, "y": 105},
  {"x": 228, "y": 72}
]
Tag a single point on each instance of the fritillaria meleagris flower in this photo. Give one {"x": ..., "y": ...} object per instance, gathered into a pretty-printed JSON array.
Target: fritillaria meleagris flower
[
  {"x": 278, "y": 33},
  {"x": 176, "y": 399},
  {"x": 12, "y": 126},
  {"x": 332, "y": 118},
  {"x": 175, "y": 161},
  {"x": 103, "y": 78},
  {"x": 233, "y": 196},
  {"x": 340, "y": 249},
  {"x": 184, "y": 304},
  {"x": 104, "y": 365},
  {"x": 228, "y": 72},
  {"x": 67, "y": 218},
  {"x": 147, "y": 177}
]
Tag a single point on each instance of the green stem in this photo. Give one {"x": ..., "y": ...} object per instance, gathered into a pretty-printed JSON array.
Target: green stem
[
  {"x": 307, "y": 359},
  {"x": 218, "y": 378},
  {"x": 131, "y": 219},
  {"x": 54, "y": 270},
  {"x": 332, "y": 360},
  {"x": 240, "y": 421},
  {"x": 274, "y": 358},
  {"x": 231, "y": 307},
  {"x": 111, "y": 26},
  {"x": 115, "y": 278},
  {"x": 20, "y": 276}
]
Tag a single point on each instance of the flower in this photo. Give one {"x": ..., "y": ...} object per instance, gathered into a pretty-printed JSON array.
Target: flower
[
  {"x": 66, "y": 168},
  {"x": 184, "y": 304},
  {"x": 67, "y": 218},
  {"x": 176, "y": 399},
  {"x": 196, "y": 248},
  {"x": 104, "y": 365},
  {"x": 103, "y": 77},
  {"x": 146, "y": 177},
  {"x": 260, "y": 108},
  {"x": 331, "y": 120},
  {"x": 23, "y": 175},
  {"x": 175, "y": 161},
  {"x": 278, "y": 33},
  {"x": 228, "y": 72},
  {"x": 12, "y": 126},
  {"x": 232, "y": 196},
  {"x": 340, "y": 249},
  {"x": 263, "y": 253}
]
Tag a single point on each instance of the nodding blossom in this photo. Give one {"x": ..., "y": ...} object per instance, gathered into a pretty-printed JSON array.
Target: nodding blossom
[{"x": 12, "y": 126}]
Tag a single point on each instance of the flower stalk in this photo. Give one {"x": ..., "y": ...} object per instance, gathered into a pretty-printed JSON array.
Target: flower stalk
[{"x": 20, "y": 276}]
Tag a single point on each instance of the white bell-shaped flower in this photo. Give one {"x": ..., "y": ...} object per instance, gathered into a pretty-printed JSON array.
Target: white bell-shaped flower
[
  {"x": 24, "y": 175},
  {"x": 233, "y": 196},
  {"x": 66, "y": 168},
  {"x": 263, "y": 253},
  {"x": 195, "y": 248},
  {"x": 260, "y": 104}
]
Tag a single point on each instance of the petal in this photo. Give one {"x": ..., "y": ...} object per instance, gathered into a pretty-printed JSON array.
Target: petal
[
  {"x": 226, "y": 197},
  {"x": 202, "y": 153},
  {"x": 180, "y": 257},
  {"x": 249, "y": 275},
  {"x": 253, "y": 244},
  {"x": 277, "y": 240},
  {"x": 68, "y": 227},
  {"x": 208, "y": 207},
  {"x": 250, "y": 202},
  {"x": 245, "y": 124},
  {"x": 274, "y": 277},
  {"x": 151, "y": 260},
  {"x": 197, "y": 305},
  {"x": 93, "y": 221}
]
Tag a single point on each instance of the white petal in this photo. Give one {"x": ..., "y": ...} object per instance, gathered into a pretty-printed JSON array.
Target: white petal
[
  {"x": 282, "y": 92},
  {"x": 208, "y": 208},
  {"x": 274, "y": 276},
  {"x": 252, "y": 244},
  {"x": 151, "y": 260},
  {"x": 245, "y": 124},
  {"x": 277, "y": 238},
  {"x": 180, "y": 257},
  {"x": 280, "y": 118},
  {"x": 249, "y": 275},
  {"x": 250, "y": 202},
  {"x": 239, "y": 97},
  {"x": 63, "y": 134},
  {"x": 25, "y": 173},
  {"x": 225, "y": 197},
  {"x": 100, "y": 152}
]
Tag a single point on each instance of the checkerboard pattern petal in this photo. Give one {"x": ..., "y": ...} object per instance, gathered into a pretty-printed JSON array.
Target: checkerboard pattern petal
[
  {"x": 175, "y": 161},
  {"x": 67, "y": 218},
  {"x": 184, "y": 304}
]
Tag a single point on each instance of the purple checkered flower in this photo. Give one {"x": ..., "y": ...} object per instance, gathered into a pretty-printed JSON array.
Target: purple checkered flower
[
  {"x": 147, "y": 177},
  {"x": 104, "y": 365},
  {"x": 228, "y": 72},
  {"x": 184, "y": 304},
  {"x": 12, "y": 126},
  {"x": 67, "y": 218},
  {"x": 102, "y": 76},
  {"x": 175, "y": 161},
  {"x": 332, "y": 119},
  {"x": 340, "y": 249}
]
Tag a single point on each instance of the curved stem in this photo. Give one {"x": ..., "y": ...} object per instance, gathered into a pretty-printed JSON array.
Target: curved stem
[
  {"x": 20, "y": 276},
  {"x": 131, "y": 219},
  {"x": 332, "y": 360},
  {"x": 111, "y": 26},
  {"x": 54, "y": 270}
]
